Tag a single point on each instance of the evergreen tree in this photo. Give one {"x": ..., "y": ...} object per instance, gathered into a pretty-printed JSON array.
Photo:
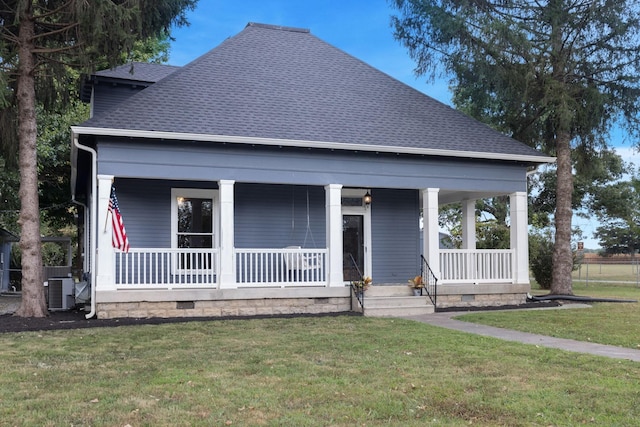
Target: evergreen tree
[
  {"x": 554, "y": 74},
  {"x": 39, "y": 41}
]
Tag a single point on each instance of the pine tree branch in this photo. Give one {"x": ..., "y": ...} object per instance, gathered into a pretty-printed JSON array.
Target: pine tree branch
[
  {"x": 54, "y": 11},
  {"x": 47, "y": 59},
  {"x": 47, "y": 50},
  {"x": 67, "y": 27},
  {"x": 9, "y": 35}
]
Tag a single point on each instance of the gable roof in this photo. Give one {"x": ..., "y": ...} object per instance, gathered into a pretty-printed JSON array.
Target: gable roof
[
  {"x": 7, "y": 236},
  {"x": 284, "y": 86},
  {"x": 134, "y": 74},
  {"x": 139, "y": 72}
]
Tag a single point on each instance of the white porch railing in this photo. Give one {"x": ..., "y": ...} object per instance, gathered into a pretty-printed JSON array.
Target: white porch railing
[
  {"x": 166, "y": 268},
  {"x": 476, "y": 266},
  {"x": 280, "y": 267},
  {"x": 199, "y": 268}
]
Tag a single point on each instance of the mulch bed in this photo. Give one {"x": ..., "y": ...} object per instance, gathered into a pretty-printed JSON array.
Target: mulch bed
[{"x": 75, "y": 319}]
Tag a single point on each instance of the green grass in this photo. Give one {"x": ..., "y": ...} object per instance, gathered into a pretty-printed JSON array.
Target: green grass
[
  {"x": 604, "y": 323},
  {"x": 340, "y": 371}
]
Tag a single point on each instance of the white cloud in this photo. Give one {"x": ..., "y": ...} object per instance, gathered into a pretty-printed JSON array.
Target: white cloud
[{"x": 629, "y": 155}]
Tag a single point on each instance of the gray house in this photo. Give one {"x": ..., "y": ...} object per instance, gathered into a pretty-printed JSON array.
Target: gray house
[
  {"x": 7, "y": 239},
  {"x": 257, "y": 178}
]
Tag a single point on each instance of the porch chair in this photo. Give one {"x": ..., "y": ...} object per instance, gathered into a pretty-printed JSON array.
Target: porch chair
[{"x": 302, "y": 267}]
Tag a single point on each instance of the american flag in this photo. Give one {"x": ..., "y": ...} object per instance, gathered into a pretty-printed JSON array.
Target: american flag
[{"x": 119, "y": 238}]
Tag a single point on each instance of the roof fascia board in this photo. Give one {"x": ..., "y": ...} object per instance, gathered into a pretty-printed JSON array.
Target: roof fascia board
[
  {"x": 130, "y": 133},
  {"x": 110, "y": 80}
]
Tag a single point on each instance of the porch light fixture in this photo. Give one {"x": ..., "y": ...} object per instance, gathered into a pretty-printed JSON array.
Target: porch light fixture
[{"x": 367, "y": 198}]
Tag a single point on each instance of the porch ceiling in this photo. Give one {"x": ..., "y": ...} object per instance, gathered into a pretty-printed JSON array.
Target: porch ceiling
[{"x": 446, "y": 197}]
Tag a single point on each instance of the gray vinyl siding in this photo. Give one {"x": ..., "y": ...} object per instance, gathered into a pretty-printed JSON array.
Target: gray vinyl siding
[
  {"x": 5, "y": 257},
  {"x": 395, "y": 235},
  {"x": 211, "y": 161},
  {"x": 106, "y": 96},
  {"x": 266, "y": 216},
  {"x": 145, "y": 206},
  {"x": 275, "y": 216}
]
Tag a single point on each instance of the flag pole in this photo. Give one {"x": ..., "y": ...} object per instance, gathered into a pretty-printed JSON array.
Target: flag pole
[
  {"x": 106, "y": 222},
  {"x": 106, "y": 218}
]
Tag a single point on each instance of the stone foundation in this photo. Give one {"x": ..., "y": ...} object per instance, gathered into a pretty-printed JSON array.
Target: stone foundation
[
  {"x": 480, "y": 300},
  {"x": 484, "y": 295},
  {"x": 222, "y": 308},
  {"x": 276, "y": 301}
]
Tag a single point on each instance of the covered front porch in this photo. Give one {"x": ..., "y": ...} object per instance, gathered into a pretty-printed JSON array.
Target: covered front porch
[{"x": 187, "y": 277}]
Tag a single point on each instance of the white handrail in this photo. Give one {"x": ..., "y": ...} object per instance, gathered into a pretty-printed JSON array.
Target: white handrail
[
  {"x": 166, "y": 268},
  {"x": 476, "y": 265},
  {"x": 291, "y": 266}
]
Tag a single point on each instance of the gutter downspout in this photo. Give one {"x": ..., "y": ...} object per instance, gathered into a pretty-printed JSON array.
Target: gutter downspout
[{"x": 93, "y": 218}]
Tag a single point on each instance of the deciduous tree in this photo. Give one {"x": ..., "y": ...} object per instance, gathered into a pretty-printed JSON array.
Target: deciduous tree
[{"x": 617, "y": 206}]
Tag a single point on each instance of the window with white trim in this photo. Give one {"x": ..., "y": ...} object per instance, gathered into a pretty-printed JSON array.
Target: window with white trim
[{"x": 193, "y": 226}]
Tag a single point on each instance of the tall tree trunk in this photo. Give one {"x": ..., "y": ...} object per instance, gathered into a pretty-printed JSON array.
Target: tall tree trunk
[
  {"x": 561, "y": 283},
  {"x": 562, "y": 118},
  {"x": 33, "y": 300}
]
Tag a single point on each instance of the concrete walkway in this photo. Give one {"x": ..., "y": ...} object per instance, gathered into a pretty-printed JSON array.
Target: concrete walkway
[{"x": 446, "y": 320}]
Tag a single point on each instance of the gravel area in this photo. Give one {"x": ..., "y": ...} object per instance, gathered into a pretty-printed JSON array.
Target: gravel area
[{"x": 9, "y": 303}]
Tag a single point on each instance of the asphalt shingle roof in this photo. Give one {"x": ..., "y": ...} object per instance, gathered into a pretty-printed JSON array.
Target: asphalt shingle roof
[
  {"x": 285, "y": 83},
  {"x": 139, "y": 72}
]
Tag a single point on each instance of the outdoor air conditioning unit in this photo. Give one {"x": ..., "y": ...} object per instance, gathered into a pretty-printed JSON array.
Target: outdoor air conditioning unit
[{"x": 60, "y": 293}]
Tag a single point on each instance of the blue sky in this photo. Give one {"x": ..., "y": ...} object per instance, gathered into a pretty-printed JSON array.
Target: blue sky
[{"x": 359, "y": 27}]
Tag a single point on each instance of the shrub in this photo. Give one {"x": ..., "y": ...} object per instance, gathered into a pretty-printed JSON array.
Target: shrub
[{"x": 541, "y": 259}]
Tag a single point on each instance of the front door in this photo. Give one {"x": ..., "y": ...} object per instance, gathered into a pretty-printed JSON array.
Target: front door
[
  {"x": 356, "y": 234},
  {"x": 353, "y": 244}
]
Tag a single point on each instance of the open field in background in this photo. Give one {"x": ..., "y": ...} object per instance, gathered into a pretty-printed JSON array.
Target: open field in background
[
  {"x": 608, "y": 272},
  {"x": 337, "y": 371}
]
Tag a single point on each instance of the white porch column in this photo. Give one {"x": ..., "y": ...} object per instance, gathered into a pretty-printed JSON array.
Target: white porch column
[
  {"x": 333, "y": 200},
  {"x": 468, "y": 224},
  {"x": 431, "y": 229},
  {"x": 105, "y": 260},
  {"x": 227, "y": 270},
  {"x": 519, "y": 236}
]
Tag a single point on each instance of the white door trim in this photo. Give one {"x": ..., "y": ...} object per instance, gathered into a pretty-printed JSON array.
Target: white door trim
[{"x": 365, "y": 211}]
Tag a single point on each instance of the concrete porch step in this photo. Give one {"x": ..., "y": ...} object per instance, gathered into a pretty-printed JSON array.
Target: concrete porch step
[
  {"x": 405, "y": 301},
  {"x": 397, "y": 311},
  {"x": 388, "y": 291},
  {"x": 395, "y": 301}
]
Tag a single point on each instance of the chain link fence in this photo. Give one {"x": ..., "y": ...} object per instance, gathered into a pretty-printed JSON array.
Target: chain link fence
[{"x": 609, "y": 270}]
